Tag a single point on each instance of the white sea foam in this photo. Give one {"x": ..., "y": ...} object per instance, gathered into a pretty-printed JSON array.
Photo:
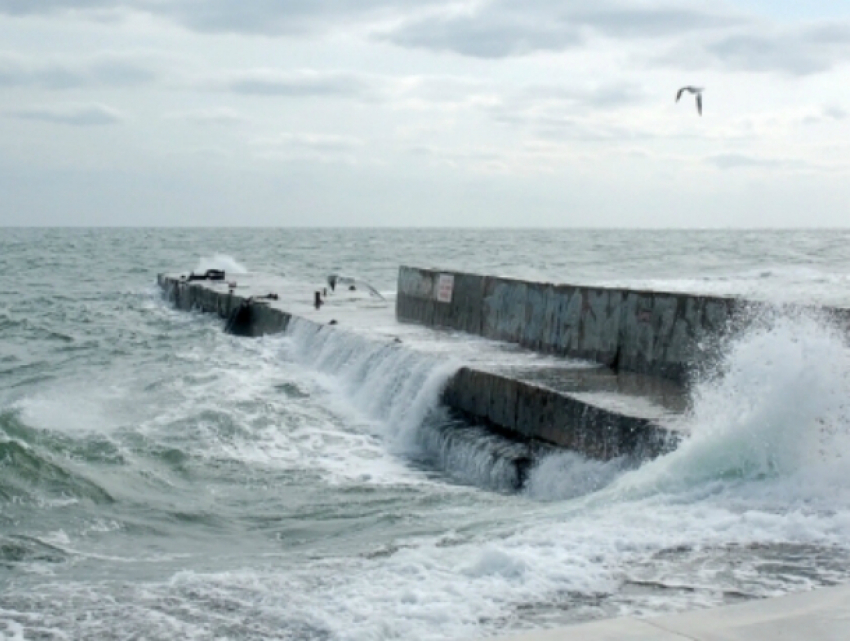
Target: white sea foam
[
  {"x": 778, "y": 408},
  {"x": 395, "y": 391},
  {"x": 262, "y": 412},
  {"x": 72, "y": 407},
  {"x": 220, "y": 261},
  {"x": 387, "y": 383},
  {"x": 565, "y": 475}
]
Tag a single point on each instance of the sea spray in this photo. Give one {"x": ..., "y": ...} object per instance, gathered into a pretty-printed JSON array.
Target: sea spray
[
  {"x": 394, "y": 385},
  {"x": 399, "y": 389},
  {"x": 220, "y": 261},
  {"x": 563, "y": 475},
  {"x": 777, "y": 407}
]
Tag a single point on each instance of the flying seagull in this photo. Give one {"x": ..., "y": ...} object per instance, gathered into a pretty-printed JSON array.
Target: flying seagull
[{"x": 695, "y": 90}]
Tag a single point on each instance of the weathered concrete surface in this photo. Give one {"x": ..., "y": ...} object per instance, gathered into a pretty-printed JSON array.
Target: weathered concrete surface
[
  {"x": 524, "y": 406},
  {"x": 259, "y": 318},
  {"x": 640, "y": 331},
  {"x": 819, "y": 615},
  {"x": 644, "y": 332},
  {"x": 574, "y": 405}
]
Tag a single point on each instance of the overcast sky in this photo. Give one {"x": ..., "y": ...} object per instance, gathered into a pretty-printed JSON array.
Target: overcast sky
[{"x": 520, "y": 113}]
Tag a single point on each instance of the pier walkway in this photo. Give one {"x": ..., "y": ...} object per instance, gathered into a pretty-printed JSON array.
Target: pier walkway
[{"x": 818, "y": 615}]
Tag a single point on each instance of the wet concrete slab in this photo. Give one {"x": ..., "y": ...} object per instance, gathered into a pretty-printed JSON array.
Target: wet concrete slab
[{"x": 818, "y": 615}]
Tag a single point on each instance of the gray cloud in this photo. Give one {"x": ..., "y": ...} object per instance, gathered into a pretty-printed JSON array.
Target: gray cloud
[
  {"x": 827, "y": 114},
  {"x": 103, "y": 70},
  {"x": 81, "y": 115},
  {"x": 489, "y": 29},
  {"x": 278, "y": 17},
  {"x": 271, "y": 82},
  {"x": 266, "y": 17},
  {"x": 650, "y": 21},
  {"x": 745, "y": 161},
  {"x": 798, "y": 51},
  {"x": 512, "y": 27},
  {"x": 787, "y": 53},
  {"x": 500, "y": 35},
  {"x": 26, "y": 7},
  {"x": 835, "y": 113}
]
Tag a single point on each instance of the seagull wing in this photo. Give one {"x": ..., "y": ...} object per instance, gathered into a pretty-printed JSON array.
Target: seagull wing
[
  {"x": 699, "y": 103},
  {"x": 679, "y": 93}
]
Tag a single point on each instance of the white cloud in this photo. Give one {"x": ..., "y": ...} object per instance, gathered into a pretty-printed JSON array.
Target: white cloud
[
  {"x": 310, "y": 146},
  {"x": 210, "y": 116},
  {"x": 318, "y": 142},
  {"x": 80, "y": 115},
  {"x": 104, "y": 69},
  {"x": 747, "y": 161},
  {"x": 297, "y": 84}
]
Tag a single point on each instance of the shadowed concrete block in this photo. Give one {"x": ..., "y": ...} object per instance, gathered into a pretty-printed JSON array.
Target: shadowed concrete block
[
  {"x": 533, "y": 328},
  {"x": 528, "y": 411},
  {"x": 467, "y": 303},
  {"x": 551, "y": 318},
  {"x": 571, "y": 306},
  {"x": 601, "y": 325}
]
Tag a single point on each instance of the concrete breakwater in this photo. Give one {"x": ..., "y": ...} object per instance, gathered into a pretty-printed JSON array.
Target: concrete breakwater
[
  {"x": 647, "y": 332},
  {"x": 665, "y": 335},
  {"x": 576, "y": 406}
]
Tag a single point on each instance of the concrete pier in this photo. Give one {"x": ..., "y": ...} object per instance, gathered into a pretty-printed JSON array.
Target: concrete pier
[
  {"x": 647, "y": 332},
  {"x": 664, "y": 335},
  {"x": 612, "y": 383},
  {"x": 569, "y": 403}
]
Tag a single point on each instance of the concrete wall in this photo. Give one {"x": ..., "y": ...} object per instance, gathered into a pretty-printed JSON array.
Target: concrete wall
[
  {"x": 541, "y": 414},
  {"x": 257, "y": 318},
  {"x": 648, "y": 332}
]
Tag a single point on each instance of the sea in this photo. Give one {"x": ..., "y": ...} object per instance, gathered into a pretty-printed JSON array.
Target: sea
[{"x": 161, "y": 479}]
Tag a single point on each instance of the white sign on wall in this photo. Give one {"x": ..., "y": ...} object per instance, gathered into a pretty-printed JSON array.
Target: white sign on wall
[{"x": 445, "y": 288}]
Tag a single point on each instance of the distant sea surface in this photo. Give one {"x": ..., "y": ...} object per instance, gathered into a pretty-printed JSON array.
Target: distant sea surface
[{"x": 160, "y": 479}]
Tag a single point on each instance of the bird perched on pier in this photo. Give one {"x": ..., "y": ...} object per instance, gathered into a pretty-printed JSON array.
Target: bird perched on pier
[{"x": 694, "y": 90}]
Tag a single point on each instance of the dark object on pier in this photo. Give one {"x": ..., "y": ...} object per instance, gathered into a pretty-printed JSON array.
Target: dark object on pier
[
  {"x": 240, "y": 319},
  {"x": 210, "y": 274}
]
